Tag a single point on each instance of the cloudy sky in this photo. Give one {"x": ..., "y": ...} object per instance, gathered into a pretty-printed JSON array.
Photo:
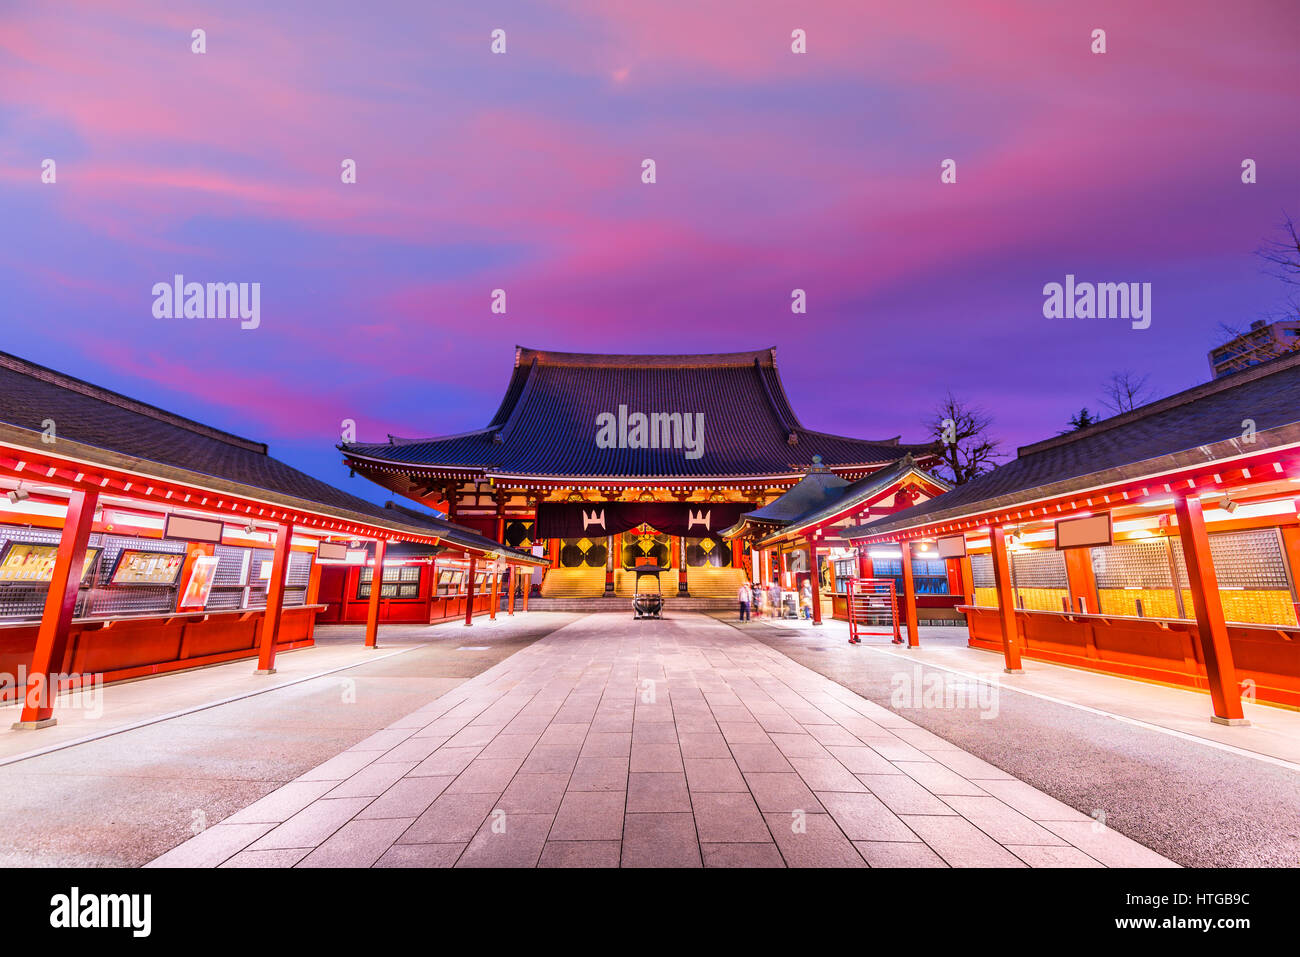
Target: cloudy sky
[{"x": 522, "y": 171}]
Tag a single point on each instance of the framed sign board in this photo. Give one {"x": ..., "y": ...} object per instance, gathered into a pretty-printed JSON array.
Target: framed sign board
[
  {"x": 1093, "y": 530},
  {"x": 187, "y": 529},
  {"x": 332, "y": 551},
  {"x": 954, "y": 546}
]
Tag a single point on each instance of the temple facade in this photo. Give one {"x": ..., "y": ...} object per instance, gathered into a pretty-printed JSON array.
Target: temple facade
[{"x": 602, "y": 463}]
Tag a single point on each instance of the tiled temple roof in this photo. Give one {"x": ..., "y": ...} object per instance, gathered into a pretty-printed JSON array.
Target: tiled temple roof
[{"x": 547, "y": 422}]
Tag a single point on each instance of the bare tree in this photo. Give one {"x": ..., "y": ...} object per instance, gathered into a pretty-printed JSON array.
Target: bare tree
[
  {"x": 962, "y": 431},
  {"x": 1257, "y": 343},
  {"x": 1283, "y": 254},
  {"x": 1125, "y": 391}
]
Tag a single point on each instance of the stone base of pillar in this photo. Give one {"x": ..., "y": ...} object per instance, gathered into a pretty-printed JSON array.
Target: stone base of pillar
[
  {"x": 33, "y": 725},
  {"x": 1014, "y": 671},
  {"x": 264, "y": 671},
  {"x": 1229, "y": 722}
]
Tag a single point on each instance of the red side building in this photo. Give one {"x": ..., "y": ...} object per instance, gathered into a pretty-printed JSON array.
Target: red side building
[{"x": 134, "y": 541}]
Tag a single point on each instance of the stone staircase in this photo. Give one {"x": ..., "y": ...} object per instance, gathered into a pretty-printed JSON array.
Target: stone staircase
[
  {"x": 709, "y": 582},
  {"x": 569, "y": 583},
  {"x": 623, "y": 605}
]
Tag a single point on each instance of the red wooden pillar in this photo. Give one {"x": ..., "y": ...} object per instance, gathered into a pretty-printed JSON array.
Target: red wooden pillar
[
  {"x": 469, "y": 598},
  {"x": 681, "y": 566},
  {"x": 376, "y": 593},
  {"x": 56, "y": 620},
  {"x": 909, "y": 596},
  {"x": 866, "y": 568},
  {"x": 514, "y": 583},
  {"x": 1210, "y": 625},
  {"x": 495, "y": 598},
  {"x": 1006, "y": 601},
  {"x": 528, "y": 586},
  {"x": 815, "y": 583},
  {"x": 1081, "y": 580},
  {"x": 785, "y": 570},
  {"x": 274, "y": 599}
]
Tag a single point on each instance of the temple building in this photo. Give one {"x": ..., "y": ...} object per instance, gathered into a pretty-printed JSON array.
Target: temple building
[{"x": 605, "y": 462}]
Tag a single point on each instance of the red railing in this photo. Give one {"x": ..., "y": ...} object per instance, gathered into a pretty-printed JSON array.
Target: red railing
[{"x": 871, "y": 601}]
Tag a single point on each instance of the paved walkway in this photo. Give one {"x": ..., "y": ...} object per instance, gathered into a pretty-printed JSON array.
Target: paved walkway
[
  {"x": 673, "y": 743},
  {"x": 161, "y": 757}
]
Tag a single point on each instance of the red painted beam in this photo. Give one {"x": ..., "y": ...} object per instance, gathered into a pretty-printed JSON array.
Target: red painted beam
[
  {"x": 1006, "y": 601},
  {"x": 469, "y": 597},
  {"x": 909, "y": 597},
  {"x": 376, "y": 595},
  {"x": 1212, "y": 629},
  {"x": 274, "y": 599},
  {"x": 60, "y": 603}
]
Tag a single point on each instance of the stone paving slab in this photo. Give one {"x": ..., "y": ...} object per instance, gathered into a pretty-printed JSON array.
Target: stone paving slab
[{"x": 674, "y": 743}]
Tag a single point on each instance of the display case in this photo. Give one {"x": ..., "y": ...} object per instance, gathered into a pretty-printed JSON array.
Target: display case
[{"x": 139, "y": 567}]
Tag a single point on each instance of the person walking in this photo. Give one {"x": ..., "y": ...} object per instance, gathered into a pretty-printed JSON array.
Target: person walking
[
  {"x": 806, "y": 600},
  {"x": 774, "y": 595},
  {"x": 746, "y": 596}
]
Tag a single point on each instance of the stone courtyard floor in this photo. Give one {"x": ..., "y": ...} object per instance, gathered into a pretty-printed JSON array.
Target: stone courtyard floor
[{"x": 682, "y": 742}]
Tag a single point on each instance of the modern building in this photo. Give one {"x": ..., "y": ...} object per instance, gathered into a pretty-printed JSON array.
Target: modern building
[
  {"x": 1161, "y": 544},
  {"x": 605, "y": 462},
  {"x": 134, "y": 541},
  {"x": 1260, "y": 343}
]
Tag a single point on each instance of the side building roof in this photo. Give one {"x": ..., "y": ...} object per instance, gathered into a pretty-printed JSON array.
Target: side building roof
[
  {"x": 116, "y": 431},
  {"x": 1248, "y": 411}
]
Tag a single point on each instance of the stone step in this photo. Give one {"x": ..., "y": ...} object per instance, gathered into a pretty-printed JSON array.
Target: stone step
[{"x": 624, "y": 604}]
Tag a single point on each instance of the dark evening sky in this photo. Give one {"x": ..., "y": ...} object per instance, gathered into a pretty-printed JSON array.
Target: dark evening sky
[{"x": 523, "y": 171}]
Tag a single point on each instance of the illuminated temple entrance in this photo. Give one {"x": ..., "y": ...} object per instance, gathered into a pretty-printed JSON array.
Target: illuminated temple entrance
[{"x": 564, "y": 470}]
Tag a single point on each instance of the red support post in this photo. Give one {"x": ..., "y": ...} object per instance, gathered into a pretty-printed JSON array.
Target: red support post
[
  {"x": 495, "y": 598},
  {"x": 528, "y": 586},
  {"x": 1006, "y": 601},
  {"x": 469, "y": 597},
  {"x": 909, "y": 596},
  {"x": 510, "y": 601},
  {"x": 274, "y": 600},
  {"x": 815, "y": 583},
  {"x": 376, "y": 595},
  {"x": 56, "y": 620},
  {"x": 1211, "y": 628}
]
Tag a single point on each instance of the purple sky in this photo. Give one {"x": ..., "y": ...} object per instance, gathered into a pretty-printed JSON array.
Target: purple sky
[{"x": 522, "y": 171}]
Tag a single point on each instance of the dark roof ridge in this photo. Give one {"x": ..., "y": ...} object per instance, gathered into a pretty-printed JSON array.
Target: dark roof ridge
[
  {"x": 1185, "y": 397},
  {"x": 546, "y": 357},
  {"x": 108, "y": 396}
]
